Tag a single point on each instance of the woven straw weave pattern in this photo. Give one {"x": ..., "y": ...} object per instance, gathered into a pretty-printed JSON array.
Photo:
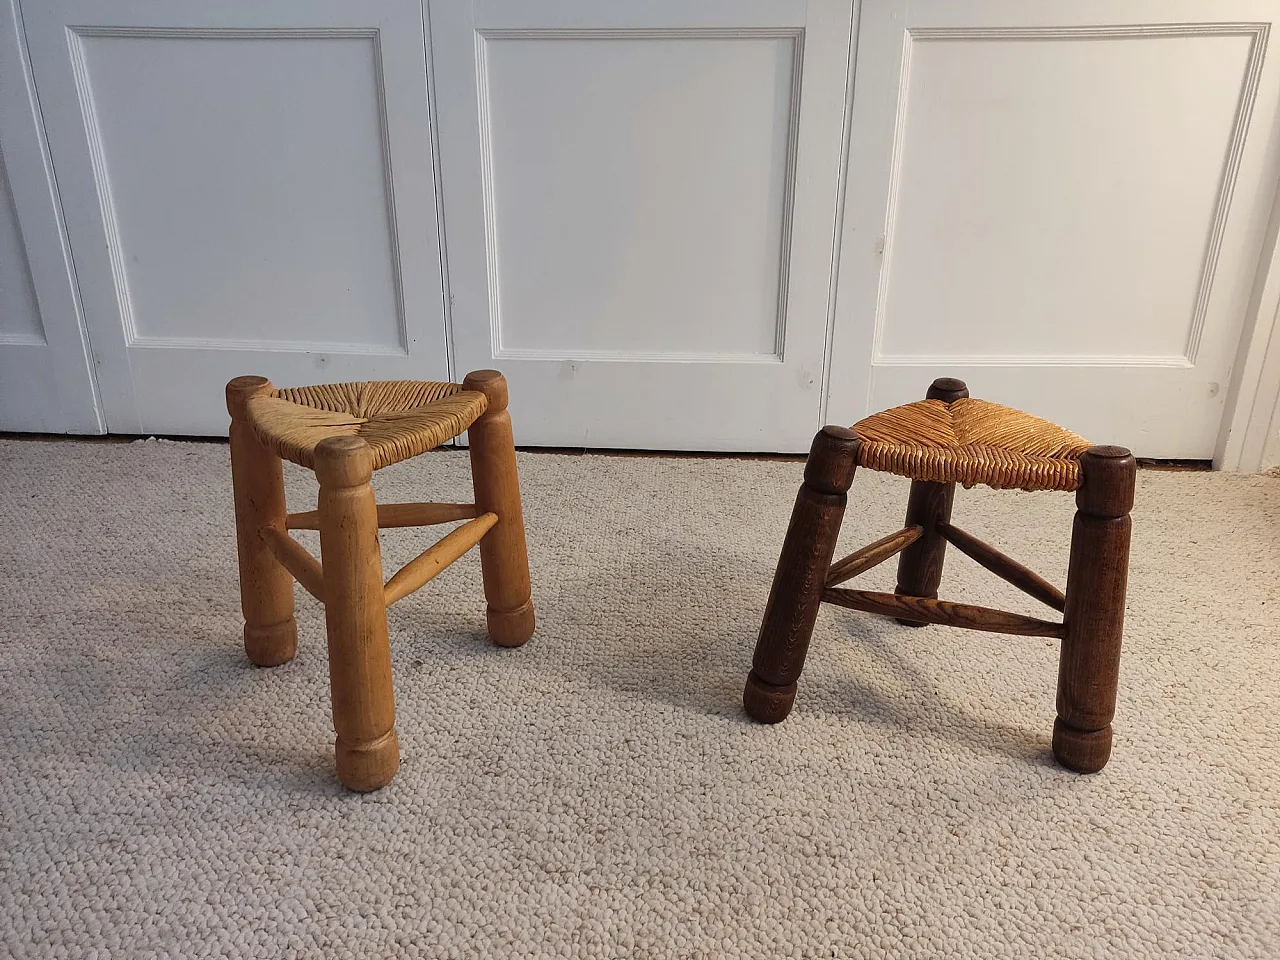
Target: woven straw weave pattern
[
  {"x": 971, "y": 442},
  {"x": 398, "y": 418}
]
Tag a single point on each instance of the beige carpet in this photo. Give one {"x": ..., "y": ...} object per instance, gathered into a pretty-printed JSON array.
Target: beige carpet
[{"x": 599, "y": 793}]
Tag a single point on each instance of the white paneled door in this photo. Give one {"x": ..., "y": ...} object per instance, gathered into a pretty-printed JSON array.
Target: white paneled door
[
  {"x": 248, "y": 188},
  {"x": 674, "y": 224},
  {"x": 641, "y": 201},
  {"x": 1061, "y": 203},
  {"x": 46, "y": 383}
]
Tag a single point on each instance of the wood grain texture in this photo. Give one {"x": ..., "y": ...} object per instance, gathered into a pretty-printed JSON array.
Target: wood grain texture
[
  {"x": 266, "y": 588},
  {"x": 860, "y": 561},
  {"x": 504, "y": 557},
  {"x": 367, "y": 750},
  {"x": 396, "y": 515},
  {"x": 802, "y": 568},
  {"x": 943, "y": 612},
  {"x": 1097, "y": 578},
  {"x": 1004, "y": 566},
  {"x": 424, "y": 568},
  {"x": 294, "y": 557}
]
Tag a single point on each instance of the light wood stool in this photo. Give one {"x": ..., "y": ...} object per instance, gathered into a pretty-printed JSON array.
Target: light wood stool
[
  {"x": 947, "y": 439},
  {"x": 344, "y": 432}
]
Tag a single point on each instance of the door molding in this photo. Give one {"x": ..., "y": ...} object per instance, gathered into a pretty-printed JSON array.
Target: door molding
[{"x": 1246, "y": 442}]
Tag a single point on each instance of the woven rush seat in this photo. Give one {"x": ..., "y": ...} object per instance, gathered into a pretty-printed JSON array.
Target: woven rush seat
[
  {"x": 399, "y": 419},
  {"x": 971, "y": 442}
]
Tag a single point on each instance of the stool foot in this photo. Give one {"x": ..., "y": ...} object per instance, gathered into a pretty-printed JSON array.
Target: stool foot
[
  {"x": 367, "y": 766},
  {"x": 272, "y": 644},
  {"x": 766, "y": 702},
  {"x": 1084, "y": 751},
  {"x": 511, "y": 628}
]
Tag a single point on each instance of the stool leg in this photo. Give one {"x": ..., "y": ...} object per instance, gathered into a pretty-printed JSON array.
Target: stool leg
[
  {"x": 504, "y": 559},
  {"x": 802, "y": 568},
  {"x": 1089, "y": 666},
  {"x": 920, "y": 565},
  {"x": 364, "y": 713},
  {"x": 266, "y": 588}
]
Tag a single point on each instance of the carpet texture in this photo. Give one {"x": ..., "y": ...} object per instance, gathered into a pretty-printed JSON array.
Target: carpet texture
[{"x": 599, "y": 792}]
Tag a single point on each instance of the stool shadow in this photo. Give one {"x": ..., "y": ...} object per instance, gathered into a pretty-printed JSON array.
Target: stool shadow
[
  {"x": 225, "y": 688},
  {"x": 684, "y": 635},
  {"x": 190, "y": 728},
  {"x": 608, "y": 658},
  {"x": 642, "y": 650},
  {"x": 870, "y": 704},
  {"x": 714, "y": 687}
]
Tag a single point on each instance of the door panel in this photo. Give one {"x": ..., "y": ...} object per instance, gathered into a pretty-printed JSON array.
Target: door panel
[
  {"x": 640, "y": 204},
  {"x": 46, "y": 383},
  {"x": 19, "y": 315},
  {"x": 249, "y": 189},
  {"x": 1061, "y": 204}
]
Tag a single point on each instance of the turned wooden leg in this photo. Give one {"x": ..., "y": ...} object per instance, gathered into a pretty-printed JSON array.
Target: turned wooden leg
[
  {"x": 920, "y": 565},
  {"x": 796, "y": 595},
  {"x": 504, "y": 558},
  {"x": 364, "y": 712},
  {"x": 1089, "y": 667},
  {"x": 266, "y": 588}
]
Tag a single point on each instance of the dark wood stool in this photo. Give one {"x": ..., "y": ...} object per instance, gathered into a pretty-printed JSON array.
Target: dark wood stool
[{"x": 947, "y": 439}]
